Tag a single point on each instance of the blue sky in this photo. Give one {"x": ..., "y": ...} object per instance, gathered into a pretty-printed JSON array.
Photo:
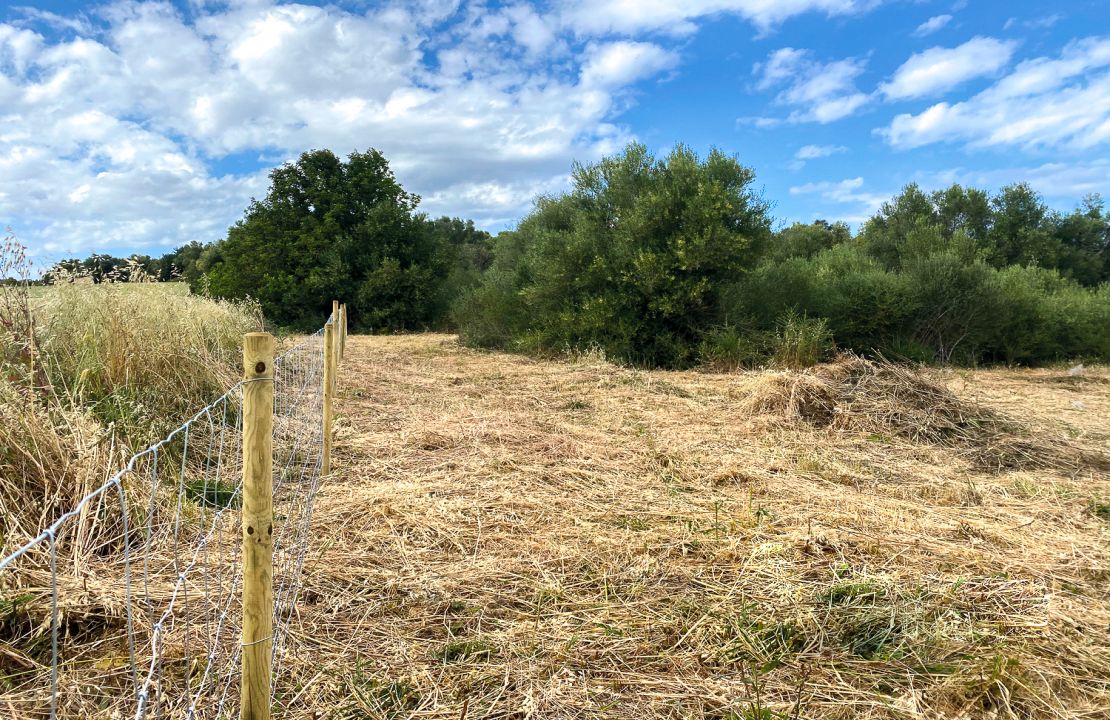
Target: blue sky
[{"x": 138, "y": 126}]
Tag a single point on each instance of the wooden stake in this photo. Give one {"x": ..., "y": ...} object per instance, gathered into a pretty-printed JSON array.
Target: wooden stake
[
  {"x": 336, "y": 316},
  {"x": 258, "y": 525},
  {"x": 329, "y": 390},
  {"x": 342, "y": 330}
]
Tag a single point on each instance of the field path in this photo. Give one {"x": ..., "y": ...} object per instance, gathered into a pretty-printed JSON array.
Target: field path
[{"x": 514, "y": 538}]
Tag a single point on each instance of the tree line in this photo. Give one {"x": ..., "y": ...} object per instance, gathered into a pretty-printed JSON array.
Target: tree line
[
  {"x": 672, "y": 261},
  {"x": 177, "y": 265}
]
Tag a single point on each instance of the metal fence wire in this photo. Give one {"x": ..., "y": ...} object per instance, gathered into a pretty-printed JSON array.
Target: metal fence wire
[{"x": 127, "y": 604}]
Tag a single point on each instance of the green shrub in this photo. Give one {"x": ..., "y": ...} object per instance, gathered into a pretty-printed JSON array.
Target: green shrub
[
  {"x": 652, "y": 262},
  {"x": 632, "y": 261},
  {"x": 343, "y": 229},
  {"x": 800, "y": 341},
  {"x": 772, "y": 290},
  {"x": 954, "y": 305},
  {"x": 805, "y": 241},
  {"x": 941, "y": 304},
  {"x": 731, "y": 347},
  {"x": 865, "y": 304}
]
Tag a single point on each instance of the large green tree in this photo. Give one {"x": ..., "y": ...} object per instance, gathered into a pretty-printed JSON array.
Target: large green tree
[
  {"x": 327, "y": 229},
  {"x": 631, "y": 260}
]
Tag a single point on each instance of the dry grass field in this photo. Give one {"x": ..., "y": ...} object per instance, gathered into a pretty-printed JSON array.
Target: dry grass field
[{"x": 514, "y": 538}]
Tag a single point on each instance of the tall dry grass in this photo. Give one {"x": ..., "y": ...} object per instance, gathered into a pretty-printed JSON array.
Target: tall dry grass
[
  {"x": 139, "y": 357},
  {"x": 90, "y": 374}
]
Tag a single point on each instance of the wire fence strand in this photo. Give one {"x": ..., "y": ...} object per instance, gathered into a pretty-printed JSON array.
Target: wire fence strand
[{"x": 144, "y": 619}]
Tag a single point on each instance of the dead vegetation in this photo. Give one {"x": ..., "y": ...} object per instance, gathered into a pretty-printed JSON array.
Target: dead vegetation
[
  {"x": 858, "y": 395},
  {"x": 89, "y": 376},
  {"x": 514, "y": 538}
]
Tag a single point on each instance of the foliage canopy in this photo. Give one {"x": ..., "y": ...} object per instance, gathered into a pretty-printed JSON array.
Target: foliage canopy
[
  {"x": 631, "y": 260},
  {"x": 330, "y": 228},
  {"x": 667, "y": 261}
]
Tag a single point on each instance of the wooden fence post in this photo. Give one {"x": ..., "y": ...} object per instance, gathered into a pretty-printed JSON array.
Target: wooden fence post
[
  {"x": 343, "y": 330},
  {"x": 336, "y": 314},
  {"x": 258, "y": 525},
  {"x": 329, "y": 389}
]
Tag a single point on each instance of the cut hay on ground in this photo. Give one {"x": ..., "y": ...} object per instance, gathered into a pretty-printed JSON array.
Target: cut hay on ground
[{"x": 509, "y": 538}]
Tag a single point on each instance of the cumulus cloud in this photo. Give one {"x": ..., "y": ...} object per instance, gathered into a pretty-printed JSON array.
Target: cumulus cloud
[
  {"x": 939, "y": 69},
  {"x": 1061, "y": 102},
  {"x": 624, "y": 62},
  {"x": 819, "y": 92},
  {"x": 151, "y": 130},
  {"x": 931, "y": 25}
]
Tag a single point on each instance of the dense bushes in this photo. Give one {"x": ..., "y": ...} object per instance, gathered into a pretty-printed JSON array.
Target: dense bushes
[
  {"x": 671, "y": 262},
  {"x": 946, "y": 278},
  {"x": 631, "y": 261}
]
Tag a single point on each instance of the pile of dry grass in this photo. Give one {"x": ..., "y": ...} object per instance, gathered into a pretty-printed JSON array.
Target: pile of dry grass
[{"x": 895, "y": 400}]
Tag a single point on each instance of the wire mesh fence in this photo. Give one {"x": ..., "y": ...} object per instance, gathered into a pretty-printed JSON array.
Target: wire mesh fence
[{"x": 127, "y": 604}]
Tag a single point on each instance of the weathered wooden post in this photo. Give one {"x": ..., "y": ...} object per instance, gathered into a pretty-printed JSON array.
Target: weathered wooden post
[
  {"x": 343, "y": 331},
  {"x": 258, "y": 525},
  {"x": 329, "y": 389},
  {"x": 336, "y": 316}
]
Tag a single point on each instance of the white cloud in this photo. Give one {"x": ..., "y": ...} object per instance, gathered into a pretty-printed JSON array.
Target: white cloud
[
  {"x": 624, "y": 62},
  {"x": 1061, "y": 102},
  {"x": 939, "y": 69},
  {"x": 530, "y": 29},
  {"x": 1040, "y": 23},
  {"x": 931, "y": 25},
  {"x": 842, "y": 191},
  {"x": 594, "y": 17},
  {"x": 819, "y": 92},
  {"x": 113, "y": 139},
  {"x": 845, "y": 192},
  {"x": 1060, "y": 180},
  {"x": 812, "y": 152}
]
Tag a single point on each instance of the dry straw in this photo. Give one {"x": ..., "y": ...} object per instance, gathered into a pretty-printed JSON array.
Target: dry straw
[
  {"x": 511, "y": 538},
  {"x": 526, "y": 539}
]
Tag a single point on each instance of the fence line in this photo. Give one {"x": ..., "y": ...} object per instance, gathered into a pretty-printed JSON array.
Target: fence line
[{"x": 157, "y": 564}]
